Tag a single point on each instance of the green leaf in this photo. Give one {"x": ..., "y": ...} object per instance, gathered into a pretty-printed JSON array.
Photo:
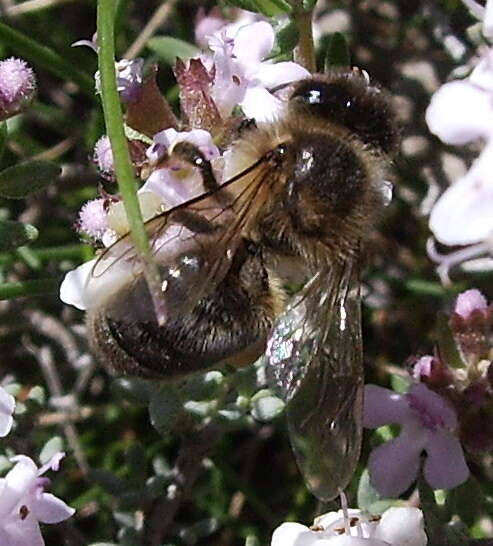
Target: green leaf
[
  {"x": 3, "y": 137},
  {"x": 165, "y": 409},
  {"x": 55, "y": 445},
  {"x": 367, "y": 494},
  {"x": 168, "y": 49},
  {"x": 266, "y": 406},
  {"x": 271, "y": 8},
  {"x": 44, "y": 57},
  {"x": 466, "y": 500},
  {"x": 133, "y": 389},
  {"x": 308, "y": 4},
  {"x": 26, "y": 178},
  {"x": 15, "y": 234},
  {"x": 337, "y": 52},
  {"x": 135, "y": 458},
  {"x": 287, "y": 36},
  {"x": 446, "y": 343}
]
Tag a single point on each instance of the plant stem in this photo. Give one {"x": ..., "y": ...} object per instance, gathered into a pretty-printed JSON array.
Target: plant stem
[
  {"x": 46, "y": 58},
  {"x": 21, "y": 289},
  {"x": 304, "y": 54},
  {"x": 123, "y": 167}
]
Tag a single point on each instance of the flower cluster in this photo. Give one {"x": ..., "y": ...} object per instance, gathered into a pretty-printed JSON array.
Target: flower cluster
[
  {"x": 461, "y": 112},
  {"x": 397, "y": 527},
  {"x": 17, "y": 87},
  {"x": 24, "y": 502},
  {"x": 231, "y": 73},
  {"x": 446, "y": 408}
]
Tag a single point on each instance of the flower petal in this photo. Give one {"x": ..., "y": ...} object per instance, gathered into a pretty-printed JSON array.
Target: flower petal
[
  {"x": 254, "y": 42},
  {"x": 445, "y": 467},
  {"x": 7, "y": 405},
  {"x": 293, "y": 534},
  {"x": 462, "y": 215},
  {"x": 394, "y": 465},
  {"x": 259, "y": 104},
  {"x": 50, "y": 509},
  {"x": 18, "y": 481},
  {"x": 23, "y": 533},
  {"x": 383, "y": 406},
  {"x": 472, "y": 113},
  {"x": 272, "y": 75},
  {"x": 402, "y": 526}
]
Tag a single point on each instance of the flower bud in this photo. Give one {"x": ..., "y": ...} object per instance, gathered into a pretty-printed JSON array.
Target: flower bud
[
  {"x": 17, "y": 87},
  {"x": 470, "y": 324}
]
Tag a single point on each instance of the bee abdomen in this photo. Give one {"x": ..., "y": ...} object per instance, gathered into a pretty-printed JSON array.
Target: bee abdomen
[{"x": 229, "y": 325}]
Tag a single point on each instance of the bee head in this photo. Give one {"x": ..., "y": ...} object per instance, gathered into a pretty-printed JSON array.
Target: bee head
[{"x": 347, "y": 100}]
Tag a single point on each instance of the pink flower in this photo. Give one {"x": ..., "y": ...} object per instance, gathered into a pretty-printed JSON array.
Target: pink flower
[
  {"x": 242, "y": 77},
  {"x": 103, "y": 155},
  {"x": 7, "y": 406},
  {"x": 93, "y": 219},
  {"x": 397, "y": 527},
  {"x": 470, "y": 301},
  {"x": 24, "y": 503},
  {"x": 428, "y": 424},
  {"x": 17, "y": 87}
]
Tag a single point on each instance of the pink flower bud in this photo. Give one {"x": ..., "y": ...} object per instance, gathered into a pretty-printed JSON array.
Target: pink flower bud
[
  {"x": 469, "y": 301},
  {"x": 17, "y": 87},
  {"x": 103, "y": 155},
  {"x": 93, "y": 219}
]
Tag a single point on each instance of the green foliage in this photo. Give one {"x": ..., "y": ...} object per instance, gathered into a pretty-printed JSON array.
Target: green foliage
[
  {"x": 168, "y": 48},
  {"x": 270, "y": 8},
  {"x": 26, "y": 178},
  {"x": 15, "y": 234},
  {"x": 338, "y": 54}
]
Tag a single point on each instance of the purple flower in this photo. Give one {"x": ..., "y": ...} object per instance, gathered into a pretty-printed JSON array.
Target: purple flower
[
  {"x": 206, "y": 25},
  {"x": 398, "y": 526},
  {"x": 428, "y": 424},
  {"x": 24, "y": 503},
  {"x": 470, "y": 301},
  {"x": 7, "y": 406},
  {"x": 129, "y": 78},
  {"x": 242, "y": 77},
  {"x": 103, "y": 155},
  {"x": 93, "y": 218},
  {"x": 17, "y": 87}
]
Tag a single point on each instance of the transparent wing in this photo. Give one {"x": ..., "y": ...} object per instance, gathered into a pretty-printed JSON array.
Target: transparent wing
[
  {"x": 314, "y": 362},
  {"x": 193, "y": 244}
]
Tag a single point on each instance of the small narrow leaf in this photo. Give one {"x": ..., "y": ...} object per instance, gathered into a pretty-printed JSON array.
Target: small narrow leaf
[
  {"x": 287, "y": 36},
  {"x": 164, "y": 409},
  {"x": 337, "y": 52},
  {"x": 15, "y": 234},
  {"x": 271, "y": 8},
  {"x": 168, "y": 49},
  {"x": 26, "y": 178}
]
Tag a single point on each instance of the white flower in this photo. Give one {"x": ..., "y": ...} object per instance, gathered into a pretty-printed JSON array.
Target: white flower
[
  {"x": 461, "y": 112},
  {"x": 24, "y": 503},
  {"x": 7, "y": 406},
  {"x": 243, "y": 77},
  {"x": 396, "y": 527}
]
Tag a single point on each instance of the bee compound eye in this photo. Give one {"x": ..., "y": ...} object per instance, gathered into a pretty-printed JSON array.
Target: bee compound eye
[{"x": 332, "y": 97}]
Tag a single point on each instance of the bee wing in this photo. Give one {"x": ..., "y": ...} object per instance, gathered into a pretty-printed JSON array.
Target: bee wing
[
  {"x": 314, "y": 361},
  {"x": 193, "y": 244}
]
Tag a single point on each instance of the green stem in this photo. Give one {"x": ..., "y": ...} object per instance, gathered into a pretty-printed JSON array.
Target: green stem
[
  {"x": 123, "y": 167},
  {"x": 79, "y": 253},
  {"x": 46, "y": 58},
  {"x": 23, "y": 289},
  {"x": 304, "y": 54}
]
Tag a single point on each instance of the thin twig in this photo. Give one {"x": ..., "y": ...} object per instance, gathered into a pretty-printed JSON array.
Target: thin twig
[
  {"x": 158, "y": 19},
  {"x": 188, "y": 467},
  {"x": 44, "y": 356},
  {"x": 33, "y": 5}
]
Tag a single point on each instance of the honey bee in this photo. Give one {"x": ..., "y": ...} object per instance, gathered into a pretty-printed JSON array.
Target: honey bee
[{"x": 306, "y": 188}]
